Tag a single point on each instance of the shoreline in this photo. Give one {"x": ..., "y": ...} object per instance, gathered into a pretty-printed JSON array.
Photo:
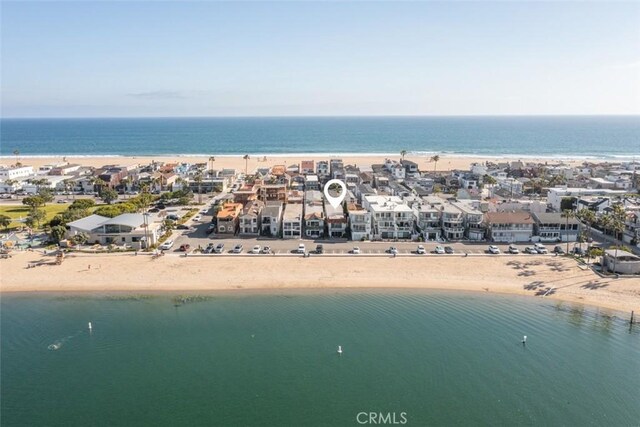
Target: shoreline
[
  {"x": 299, "y": 291},
  {"x": 505, "y": 275},
  {"x": 446, "y": 161}
]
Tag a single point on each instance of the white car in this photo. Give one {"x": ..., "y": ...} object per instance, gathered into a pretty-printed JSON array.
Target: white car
[
  {"x": 197, "y": 218},
  {"x": 301, "y": 249},
  {"x": 540, "y": 248},
  {"x": 266, "y": 250},
  {"x": 513, "y": 250},
  {"x": 203, "y": 212},
  {"x": 531, "y": 250},
  {"x": 355, "y": 250},
  {"x": 494, "y": 249},
  {"x": 256, "y": 249},
  {"x": 421, "y": 250},
  {"x": 166, "y": 245},
  {"x": 393, "y": 250},
  {"x": 439, "y": 250}
]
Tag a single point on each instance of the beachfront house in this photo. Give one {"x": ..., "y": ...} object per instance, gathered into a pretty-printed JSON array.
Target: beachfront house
[
  {"x": 472, "y": 220},
  {"x": 359, "y": 222},
  {"x": 391, "y": 218},
  {"x": 130, "y": 229},
  {"x": 250, "y": 218},
  {"x": 314, "y": 218},
  {"x": 336, "y": 221},
  {"x": 228, "y": 218},
  {"x": 428, "y": 221},
  {"x": 552, "y": 227},
  {"x": 307, "y": 167},
  {"x": 271, "y": 219},
  {"x": 322, "y": 169},
  {"x": 452, "y": 221},
  {"x": 509, "y": 227},
  {"x": 292, "y": 221}
]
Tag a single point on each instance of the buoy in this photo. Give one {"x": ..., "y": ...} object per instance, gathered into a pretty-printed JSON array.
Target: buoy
[
  {"x": 339, "y": 349},
  {"x": 524, "y": 340}
]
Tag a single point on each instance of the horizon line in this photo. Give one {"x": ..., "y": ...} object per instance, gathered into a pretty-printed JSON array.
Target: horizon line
[{"x": 320, "y": 116}]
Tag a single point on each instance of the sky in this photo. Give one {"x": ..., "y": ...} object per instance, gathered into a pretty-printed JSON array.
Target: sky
[{"x": 206, "y": 58}]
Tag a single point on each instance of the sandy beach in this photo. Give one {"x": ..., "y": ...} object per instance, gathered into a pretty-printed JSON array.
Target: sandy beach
[
  {"x": 446, "y": 162},
  {"x": 530, "y": 275}
]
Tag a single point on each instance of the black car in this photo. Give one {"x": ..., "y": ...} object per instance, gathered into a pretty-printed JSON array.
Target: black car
[
  {"x": 558, "y": 250},
  {"x": 182, "y": 227},
  {"x": 319, "y": 249},
  {"x": 578, "y": 251},
  {"x": 448, "y": 249}
]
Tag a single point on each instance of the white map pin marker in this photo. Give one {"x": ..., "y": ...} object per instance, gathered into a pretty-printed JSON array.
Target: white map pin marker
[{"x": 335, "y": 201}]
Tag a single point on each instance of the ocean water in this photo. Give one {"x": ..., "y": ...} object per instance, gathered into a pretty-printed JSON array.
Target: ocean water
[
  {"x": 270, "y": 359},
  {"x": 566, "y": 136}
]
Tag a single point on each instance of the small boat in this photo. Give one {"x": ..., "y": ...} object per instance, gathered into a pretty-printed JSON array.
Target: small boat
[{"x": 339, "y": 349}]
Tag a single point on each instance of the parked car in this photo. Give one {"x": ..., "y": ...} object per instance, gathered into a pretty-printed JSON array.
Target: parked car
[
  {"x": 421, "y": 250},
  {"x": 319, "y": 249},
  {"x": 513, "y": 249},
  {"x": 182, "y": 227},
  {"x": 558, "y": 250},
  {"x": 301, "y": 248},
  {"x": 266, "y": 250},
  {"x": 219, "y": 248},
  {"x": 210, "y": 248},
  {"x": 531, "y": 250},
  {"x": 540, "y": 248},
  {"x": 494, "y": 249},
  {"x": 237, "y": 249},
  {"x": 448, "y": 249},
  {"x": 578, "y": 251},
  {"x": 61, "y": 201},
  {"x": 185, "y": 247},
  {"x": 166, "y": 245},
  {"x": 355, "y": 250},
  {"x": 439, "y": 250},
  {"x": 393, "y": 250},
  {"x": 211, "y": 228},
  {"x": 197, "y": 218},
  {"x": 203, "y": 212},
  {"x": 256, "y": 249}
]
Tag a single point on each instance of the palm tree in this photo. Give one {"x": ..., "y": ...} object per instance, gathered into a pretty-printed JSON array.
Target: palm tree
[
  {"x": 403, "y": 153},
  {"x": 210, "y": 172},
  {"x": 567, "y": 214},
  {"x": 198, "y": 180},
  {"x": 605, "y": 222},
  {"x": 435, "y": 160},
  {"x": 246, "y": 163},
  {"x": 588, "y": 217}
]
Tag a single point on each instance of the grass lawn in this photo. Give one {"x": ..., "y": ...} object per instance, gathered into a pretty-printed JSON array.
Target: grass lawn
[{"x": 20, "y": 211}]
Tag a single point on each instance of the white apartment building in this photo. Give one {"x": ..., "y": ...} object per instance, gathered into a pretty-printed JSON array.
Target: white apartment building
[
  {"x": 391, "y": 218},
  {"x": 472, "y": 220},
  {"x": 13, "y": 172},
  {"x": 359, "y": 222},
  {"x": 292, "y": 221}
]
